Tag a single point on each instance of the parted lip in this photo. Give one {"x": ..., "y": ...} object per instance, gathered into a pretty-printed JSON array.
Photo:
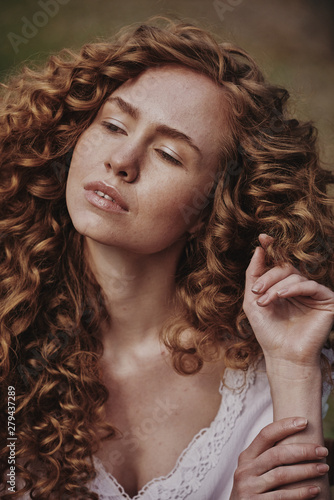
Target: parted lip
[{"x": 109, "y": 190}]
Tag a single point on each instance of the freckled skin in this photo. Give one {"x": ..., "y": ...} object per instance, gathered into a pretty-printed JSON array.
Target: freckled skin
[
  {"x": 156, "y": 173},
  {"x": 133, "y": 158},
  {"x": 134, "y": 254}
]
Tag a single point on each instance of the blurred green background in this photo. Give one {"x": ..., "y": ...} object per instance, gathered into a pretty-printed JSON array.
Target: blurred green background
[{"x": 293, "y": 40}]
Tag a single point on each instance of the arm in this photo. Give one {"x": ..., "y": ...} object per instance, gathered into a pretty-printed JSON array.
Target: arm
[
  {"x": 265, "y": 471},
  {"x": 291, "y": 318},
  {"x": 298, "y": 392}
]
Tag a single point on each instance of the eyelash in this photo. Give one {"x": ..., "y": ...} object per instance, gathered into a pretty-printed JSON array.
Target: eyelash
[
  {"x": 168, "y": 157},
  {"x": 115, "y": 129}
]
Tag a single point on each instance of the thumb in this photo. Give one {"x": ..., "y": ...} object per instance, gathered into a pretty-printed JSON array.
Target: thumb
[
  {"x": 265, "y": 239},
  {"x": 256, "y": 268}
]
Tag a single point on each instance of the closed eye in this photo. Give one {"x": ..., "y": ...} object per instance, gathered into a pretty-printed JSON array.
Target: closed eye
[
  {"x": 168, "y": 157},
  {"x": 113, "y": 128}
]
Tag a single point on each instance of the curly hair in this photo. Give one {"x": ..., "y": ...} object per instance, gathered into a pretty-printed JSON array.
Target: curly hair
[{"x": 51, "y": 308}]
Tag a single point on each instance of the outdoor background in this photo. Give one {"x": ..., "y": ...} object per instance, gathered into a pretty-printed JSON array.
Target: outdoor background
[{"x": 293, "y": 40}]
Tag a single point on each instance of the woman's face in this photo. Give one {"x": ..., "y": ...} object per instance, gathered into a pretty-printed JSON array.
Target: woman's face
[{"x": 141, "y": 172}]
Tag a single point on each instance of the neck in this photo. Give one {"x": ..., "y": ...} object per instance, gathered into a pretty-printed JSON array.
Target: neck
[{"x": 138, "y": 290}]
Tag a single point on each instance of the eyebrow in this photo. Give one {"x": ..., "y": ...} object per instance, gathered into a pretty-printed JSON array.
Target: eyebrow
[
  {"x": 125, "y": 106},
  {"x": 171, "y": 132}
]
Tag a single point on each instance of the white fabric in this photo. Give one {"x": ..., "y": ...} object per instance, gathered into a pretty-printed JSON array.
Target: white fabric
[
  {"x": 204, "y": 471},
  {"x": 327, "y": 388}
]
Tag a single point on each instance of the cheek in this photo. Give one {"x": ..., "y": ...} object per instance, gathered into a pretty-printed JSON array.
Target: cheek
[
  {"x": 177, "y": 209},
  {"x": 75, "y": 200},
  {"x": 72, "y": 185},
  {"x": 88, "y": 144},
  {"x": 191, "y": 202}
]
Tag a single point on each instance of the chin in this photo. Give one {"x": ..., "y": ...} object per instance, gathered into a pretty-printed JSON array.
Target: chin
[{"x": 89, "y": 227}]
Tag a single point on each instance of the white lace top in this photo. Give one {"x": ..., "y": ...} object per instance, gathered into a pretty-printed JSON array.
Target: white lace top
[{"x": 205, "y": 469}]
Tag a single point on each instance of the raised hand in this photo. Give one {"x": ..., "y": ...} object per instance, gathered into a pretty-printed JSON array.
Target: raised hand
[
  {"x": 265, "y": 469},
  {"x": 291, "y": 316}
]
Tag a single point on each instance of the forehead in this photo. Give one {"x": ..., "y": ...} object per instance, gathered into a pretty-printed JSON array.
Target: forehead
[{"x": 181, "y": 98}]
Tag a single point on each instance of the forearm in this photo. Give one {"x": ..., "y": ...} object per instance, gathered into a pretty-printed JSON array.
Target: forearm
[
  {"x": 296, "y": 391},
  {"x": 291, "y": 317}
]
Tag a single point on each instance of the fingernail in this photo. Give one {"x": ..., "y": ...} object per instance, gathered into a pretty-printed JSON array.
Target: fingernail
[
  {"x": 321, "y": 451},
  {"x": 322, "y": 468},
  {"x": 282, "y": 292},
  {"x": 300, "y": 422},
  {"x": 263, "y": 299},
  {"x": 314, "y": 490},
  {"x": 257, "y": 287}
]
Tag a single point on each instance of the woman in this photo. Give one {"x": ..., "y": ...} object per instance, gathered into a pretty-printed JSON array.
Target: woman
[{"x": 144, "y": 362}]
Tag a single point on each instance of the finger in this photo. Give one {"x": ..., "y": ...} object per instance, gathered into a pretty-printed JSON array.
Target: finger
[
  {"x": 273, "y": 433},
  {"x": 273, "y": 276},
  {"x": 283, "y": 476},
  {"x": 272, "y": 293},
  {"x": 256, "y": 268},
  {"x": 308, "y": 288},
  {"x": 286, "y": 454},
  {"x": 303, "y": 493},
  {"x": 265, "y": 240},
  {"x": 301, "y": 287}
]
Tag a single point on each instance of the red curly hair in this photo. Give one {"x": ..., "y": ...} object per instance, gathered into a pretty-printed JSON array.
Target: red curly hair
[{"x": 51, "y": 308}]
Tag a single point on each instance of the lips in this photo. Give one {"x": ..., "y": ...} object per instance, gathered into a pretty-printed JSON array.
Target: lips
[{"x": 110, "y": 191}]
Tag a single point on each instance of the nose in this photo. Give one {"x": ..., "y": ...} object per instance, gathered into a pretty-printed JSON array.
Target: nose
[{"x": 124, "y": 163}]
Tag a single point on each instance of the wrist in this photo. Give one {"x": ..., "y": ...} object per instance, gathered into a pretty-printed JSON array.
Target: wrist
[
  {"x": 288, "y": 370},
  {"x": 297, "y": 391}
]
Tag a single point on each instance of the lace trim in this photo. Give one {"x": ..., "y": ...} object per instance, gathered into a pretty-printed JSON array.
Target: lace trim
[
  {"x": 326, "y": 387},
  {"x": 191, "y": 468}
]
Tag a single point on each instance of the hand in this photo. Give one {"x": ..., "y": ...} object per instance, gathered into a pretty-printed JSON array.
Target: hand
[
  {"x": 265, "y": 469},
  {"x": 291, "y": 316}
]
